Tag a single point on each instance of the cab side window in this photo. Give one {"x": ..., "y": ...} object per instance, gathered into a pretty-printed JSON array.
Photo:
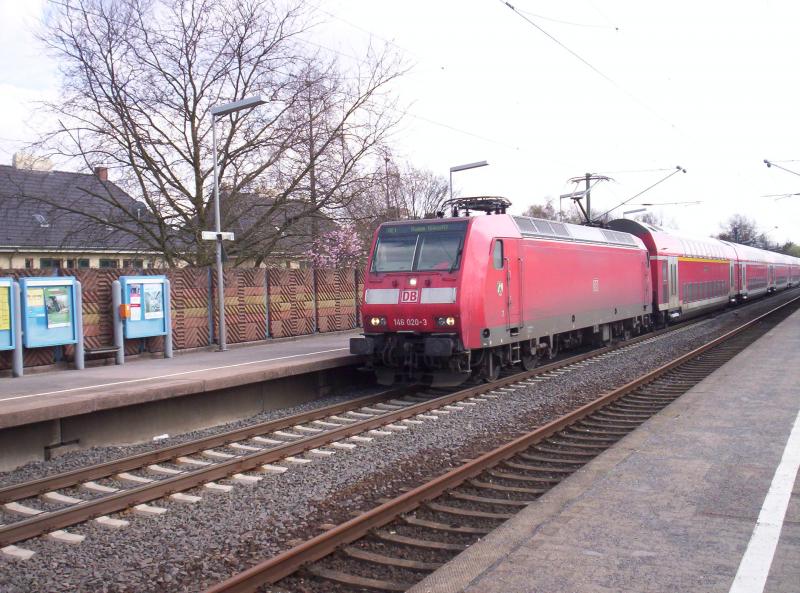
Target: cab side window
[{"x": 497, "y": 255}]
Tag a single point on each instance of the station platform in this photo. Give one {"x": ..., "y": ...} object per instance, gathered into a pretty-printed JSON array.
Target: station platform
[
  {"x": 239, "y": 373},
  {"x": 693, "y": 500}
]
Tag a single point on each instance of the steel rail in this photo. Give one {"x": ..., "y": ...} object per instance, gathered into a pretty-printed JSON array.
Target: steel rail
[
  {"x": 284, "y": 564},
  {"x": 46, "y": 522},
  {"x": 102, "y": 470}
]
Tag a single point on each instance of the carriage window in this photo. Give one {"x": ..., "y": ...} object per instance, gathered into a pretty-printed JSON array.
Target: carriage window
[{"x": 497, "y": 255}]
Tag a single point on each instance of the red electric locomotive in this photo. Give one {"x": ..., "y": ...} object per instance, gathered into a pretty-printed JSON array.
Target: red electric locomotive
[{"x": 448, "y": 298}]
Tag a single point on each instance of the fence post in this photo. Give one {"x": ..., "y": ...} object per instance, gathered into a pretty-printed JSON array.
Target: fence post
[
  {"x": 79, "y": 326},
  {"x": 315, "y": 322},
  {"x": 267, "y": 329},
  {"x": 210, "y": 308},
  {"x": 356, "y": 297},
  {"x": 119, "y": 339},
  {"x": 17, "y": 361},
  {"x": 168, "y": 320}
]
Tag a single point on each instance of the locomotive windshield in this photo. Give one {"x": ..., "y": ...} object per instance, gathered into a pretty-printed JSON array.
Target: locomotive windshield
[{"x": 419, "y": 247}]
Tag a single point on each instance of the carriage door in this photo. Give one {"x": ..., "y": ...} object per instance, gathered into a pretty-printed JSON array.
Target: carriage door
[
  {"x": 743, "y": 288},
  {"x": 732, "y": 285},
  {"x": 674, "y": 300}
]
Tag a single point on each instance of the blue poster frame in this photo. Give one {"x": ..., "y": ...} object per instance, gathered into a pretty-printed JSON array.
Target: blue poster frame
[
  {"x": 137, "y": 326},
  {"x": 8, "y": 338},
  {"x": 35, "y": 330}
]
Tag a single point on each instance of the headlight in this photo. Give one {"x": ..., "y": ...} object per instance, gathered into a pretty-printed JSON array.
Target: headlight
[
  {"x": 445, "y": 321},
  {"x": 376, "y": 321}
]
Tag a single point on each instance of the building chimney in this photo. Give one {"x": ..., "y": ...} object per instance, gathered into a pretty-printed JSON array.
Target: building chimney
[{"x": 101, "y": 173}]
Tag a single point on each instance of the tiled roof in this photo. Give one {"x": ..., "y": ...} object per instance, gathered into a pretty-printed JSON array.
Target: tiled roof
[{"x": 42, "y": 209}]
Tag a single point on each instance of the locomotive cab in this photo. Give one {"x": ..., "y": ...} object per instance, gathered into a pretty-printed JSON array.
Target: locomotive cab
[{"x": 412, "y": 325}]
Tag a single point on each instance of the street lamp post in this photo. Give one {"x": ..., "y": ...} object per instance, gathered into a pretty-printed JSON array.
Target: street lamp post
[
  {"x": 463, "y": 168},
  {"x": 220, "y": 111}
]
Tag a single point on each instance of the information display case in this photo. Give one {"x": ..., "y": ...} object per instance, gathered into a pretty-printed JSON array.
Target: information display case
[
  {"x": 145, "y": 301},
  {"x": 8, "y": 331},
  {"x": 49, "y": 311}
]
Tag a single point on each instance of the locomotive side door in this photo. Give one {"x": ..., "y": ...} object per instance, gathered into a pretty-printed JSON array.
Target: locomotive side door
[
  {"x": 513, "y": 282},
  {"x": 496, "y": 301}
]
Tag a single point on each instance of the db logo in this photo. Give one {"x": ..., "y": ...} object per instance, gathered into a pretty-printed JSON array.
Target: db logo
[{"x": 409, "y": 296}]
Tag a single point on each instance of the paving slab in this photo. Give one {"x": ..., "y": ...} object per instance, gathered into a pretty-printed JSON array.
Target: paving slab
[
  {"x": 671, "y": 507},
  {"x": 63, "y": 393}
]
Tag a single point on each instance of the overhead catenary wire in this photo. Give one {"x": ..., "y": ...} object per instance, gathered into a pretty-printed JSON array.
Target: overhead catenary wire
[
  {"x": 564, "y": 22},
  {"x": 678, "y": 169},
  {"x": 594, "y": 68},
  {"x": 660, "y": 170},
  {"x": 688, "y": 203},
  {"x": 775, "y": 164}
]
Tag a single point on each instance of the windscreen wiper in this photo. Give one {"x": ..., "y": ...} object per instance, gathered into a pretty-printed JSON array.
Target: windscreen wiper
[{"x": 458, "y": 256}]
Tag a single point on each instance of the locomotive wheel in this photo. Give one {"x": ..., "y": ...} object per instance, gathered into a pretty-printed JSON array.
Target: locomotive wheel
[
  {"x": 491, "y": 369},
  {"x": 529, "y": 362},
  {"x": 528, "y": 358}
]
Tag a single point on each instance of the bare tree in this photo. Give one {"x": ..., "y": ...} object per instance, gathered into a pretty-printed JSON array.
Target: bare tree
[
  {"x": 742, "y": 230},
  {"x": 650, "y": 218},
  {"x": 419, "y": 193},
  {"x": 549, "y": 212},
  {"x": 139, "y": 80}
]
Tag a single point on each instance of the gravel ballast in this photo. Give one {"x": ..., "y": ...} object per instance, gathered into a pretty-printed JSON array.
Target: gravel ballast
[{"x": 193, "y": 546}]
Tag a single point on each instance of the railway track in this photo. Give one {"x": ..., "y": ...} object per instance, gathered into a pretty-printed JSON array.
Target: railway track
[
  {"x": 396, "y": 544},
  {"x": 46, "y": 507}
]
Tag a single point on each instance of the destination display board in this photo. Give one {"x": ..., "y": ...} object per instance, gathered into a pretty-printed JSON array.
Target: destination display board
[
  {"x": 146, "y": 301},
  {"x": 48, "y": 311}
]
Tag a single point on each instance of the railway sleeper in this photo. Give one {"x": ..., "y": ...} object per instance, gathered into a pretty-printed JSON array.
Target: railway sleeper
[
  {"x": 439, "y": 526},
  {"x": 614, "y": 435},
  {"x": 634, "y": 406},
  {"x": 555, "y": 460},
  {"x": 628, "y": 417},
  {"x": 589, "y": 446},
  {"x": 607, "y": 425},
  {"x": 352, "y": 580},
  {"x": 485, "y": 500},
  {"x": 552, "y": 447},
  {"x": 535, "y": 468},
  {"x": 470, "y": 513},
  {"x": 586, "y": 436},
  {"x": 503, "y": 488},
  {"x": 395, "y": 538},
  {"x": 376, "y": 558},
  {"x": 549, "y": 448}
]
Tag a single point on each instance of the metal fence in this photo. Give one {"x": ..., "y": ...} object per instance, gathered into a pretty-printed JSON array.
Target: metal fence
[{"x": 260, "y": 304}]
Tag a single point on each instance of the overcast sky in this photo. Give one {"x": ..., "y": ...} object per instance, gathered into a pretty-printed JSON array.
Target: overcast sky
[{"x": 709, "y": 85}]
